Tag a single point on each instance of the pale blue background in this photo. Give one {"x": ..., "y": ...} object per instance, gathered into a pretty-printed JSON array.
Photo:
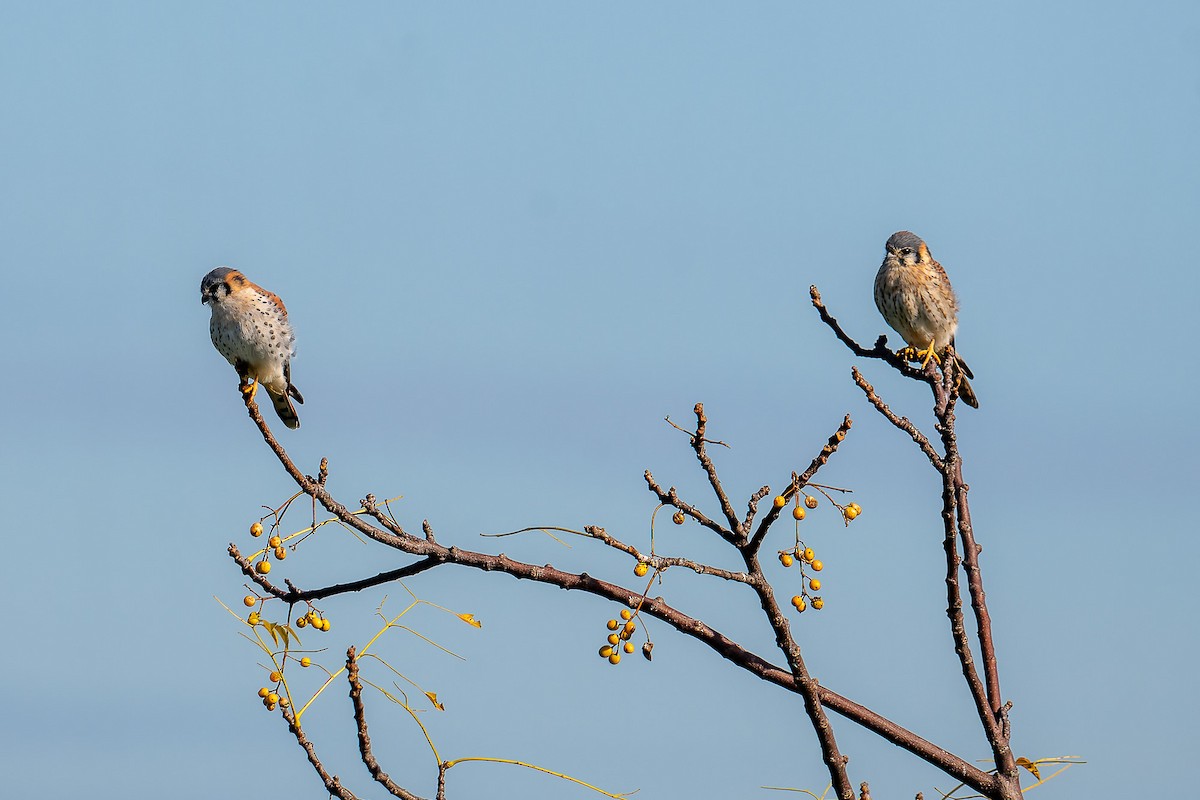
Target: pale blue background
[{"x": 514, "y": 236}]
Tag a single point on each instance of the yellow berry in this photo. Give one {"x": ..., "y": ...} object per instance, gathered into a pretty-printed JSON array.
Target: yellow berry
[
  {"x": 326, "y": 625},
  {"x": 630, "y": 626},
  {"x": 626, "y": 613},
  {"x": 615, "y": 658},
  {"x": 641, "y": 569},
  {"x": 798, "y": 512},
  {"x": 606, "y": 651},
  {"x": 780, "y": 501},
  {"x": 300, "y": 623},
  {"x": 274, "y": 541},
  {"x": 272, "y": 698},
  {"x": 818, "y": 603},
  {"x": 785, "y": 559},
  {"x": 810, "y": 501},
  {"x": 281, "y": 552},
  {"x": 818, "y": 565},
  {"x": 797, "y": 600},
  {"x": 276, "y": 676},
  {"x": 249, "y": 600},
  {"x": 814, "y": 585},
  {"x": 857, "y": 508},
  {"x": 283, "y": 702},
  {"x": 263, "y": 692},
  {"x": 809, "y": 554},
  {"x": 262, "y": 567},
  {"x": 677, "y": 518},
  {"x": 256, "y": 529},
  {"x": 850, "y": 513},
  {"x": 306, "y": 662},
  {"x": 612, "y": 624},
  {"x": 270, "y": 706},
  {"x": 613, "y": 638},
  {"x": 253, "y": 619},
  {"x": 629, "y": 648}
]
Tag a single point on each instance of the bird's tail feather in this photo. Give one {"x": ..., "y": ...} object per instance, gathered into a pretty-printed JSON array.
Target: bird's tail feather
[
  {"x": 965, "y": 392},
  {"x": 285, "y": 409}
]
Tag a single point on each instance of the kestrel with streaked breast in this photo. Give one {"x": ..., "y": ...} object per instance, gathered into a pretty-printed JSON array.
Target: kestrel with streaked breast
[
  {"x": 915, "y": 298},
  {"x": 250, "y": 328}
]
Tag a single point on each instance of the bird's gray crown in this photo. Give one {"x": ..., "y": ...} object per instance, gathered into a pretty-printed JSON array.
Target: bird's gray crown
[
  {"x": 901, "y": 239},
  {"x": 214, "y": 277}
]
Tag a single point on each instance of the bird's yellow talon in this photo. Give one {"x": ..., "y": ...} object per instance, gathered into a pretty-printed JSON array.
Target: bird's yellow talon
[
  {"x": 927, "y": 355},
  {"x": 250, "y": 389}
]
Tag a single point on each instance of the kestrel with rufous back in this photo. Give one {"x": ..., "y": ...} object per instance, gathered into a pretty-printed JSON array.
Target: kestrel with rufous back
[
  {"x": 250, "y": 327},
  {"x": 915, "y": 298}
]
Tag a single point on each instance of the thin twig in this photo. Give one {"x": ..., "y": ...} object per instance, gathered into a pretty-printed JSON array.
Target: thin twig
[
  {"x": 711, "y": 471},
  {"x": 671, "y": 498},
  {"x": 798, "y": 482},
  {"x": 903, "y": 423},
  {"x": 692, "y": 434}
]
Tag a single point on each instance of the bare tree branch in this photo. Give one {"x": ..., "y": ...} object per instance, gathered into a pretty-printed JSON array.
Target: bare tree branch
[
  {"x": 364, "y": 738},
  {"x": 332, "y": 784},
  {"x": 795, "y": 678}
]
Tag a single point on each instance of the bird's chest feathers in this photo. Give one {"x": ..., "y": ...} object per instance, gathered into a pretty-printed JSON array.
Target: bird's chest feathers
[
  {"x": 250, "y": 328},
  {"x": 903, "y": 286}
]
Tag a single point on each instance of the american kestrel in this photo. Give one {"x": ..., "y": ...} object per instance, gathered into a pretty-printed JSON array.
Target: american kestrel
[
  {"x": 915, "y": 298},
  {"x": 250, "y": 328}
]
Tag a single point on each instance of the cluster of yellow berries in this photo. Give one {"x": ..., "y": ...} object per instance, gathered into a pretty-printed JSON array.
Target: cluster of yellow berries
[
  {"x": 271, "y": 698},
  {"x": 314, "y": 619},
  {"x": 799, "y": 604},
  {"x": 618, "y": 639},
  {"x": 804, "y": 556},
  {"x": 274, "y": 543},
  {"x": 848, "y": 512},
  {"x": 798, "y": 513}
]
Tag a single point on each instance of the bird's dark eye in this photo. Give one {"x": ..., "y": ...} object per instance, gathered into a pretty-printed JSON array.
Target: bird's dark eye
[{"x": 906, "y": 251}]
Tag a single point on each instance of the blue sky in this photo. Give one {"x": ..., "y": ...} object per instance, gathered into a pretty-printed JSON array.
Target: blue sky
[{"x": 512, "y": 238}]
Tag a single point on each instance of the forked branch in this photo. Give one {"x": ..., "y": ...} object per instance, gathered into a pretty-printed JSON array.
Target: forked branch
[{"x": 956, "y": 518}]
